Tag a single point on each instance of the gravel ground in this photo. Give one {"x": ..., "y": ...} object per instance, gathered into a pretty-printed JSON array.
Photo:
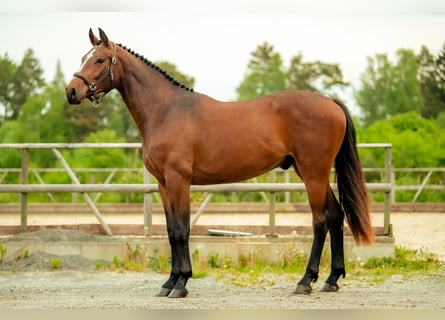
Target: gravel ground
[{"x": 131, "y": 290}]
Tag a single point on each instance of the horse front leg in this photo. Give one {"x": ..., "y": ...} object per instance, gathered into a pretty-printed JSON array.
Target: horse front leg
[
  {"x": 167, "y": 287},
  {"x": 176, "y": 199},
  {"x": 181, "y": 267}
]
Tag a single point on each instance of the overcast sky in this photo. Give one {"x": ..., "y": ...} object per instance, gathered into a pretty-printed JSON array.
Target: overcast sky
[{"x": 212, "y": 40}]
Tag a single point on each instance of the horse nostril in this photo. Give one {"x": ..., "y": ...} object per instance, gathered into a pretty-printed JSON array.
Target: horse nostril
[{"x": 71, "y": 95}]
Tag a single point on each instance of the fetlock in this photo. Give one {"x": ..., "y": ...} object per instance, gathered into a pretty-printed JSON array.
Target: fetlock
[{"x": 309, "y": 276}]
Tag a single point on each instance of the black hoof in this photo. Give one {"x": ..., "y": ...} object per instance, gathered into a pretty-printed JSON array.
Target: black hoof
[
  {"x": 303, "y": 289},
  {"x": 178, "y": 293},
  {"x": 327, "y": 287},
  {"x": 164, "y": 292}
]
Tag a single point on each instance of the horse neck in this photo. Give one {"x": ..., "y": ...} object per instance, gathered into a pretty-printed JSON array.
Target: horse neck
[{"x": 148, "y": 95}]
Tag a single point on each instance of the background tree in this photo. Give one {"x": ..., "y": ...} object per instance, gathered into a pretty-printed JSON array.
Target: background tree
[
  {"x": 388, "y": 89},
  {"x": 265, "y": 73},
  {"x": 7, "y": 70},
  {"x": 314, "y": 76},
  {"x": 416, "y": 141},
  {"x": 432, "y": 81},
  {"x": 41, "y": 119},
  {"x": 18, "y": 82}
]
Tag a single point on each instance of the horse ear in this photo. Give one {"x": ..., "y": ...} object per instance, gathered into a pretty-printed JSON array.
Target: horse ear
[
  {"x": 103, "y": 37},
  {"x": 93, "y": 38}
]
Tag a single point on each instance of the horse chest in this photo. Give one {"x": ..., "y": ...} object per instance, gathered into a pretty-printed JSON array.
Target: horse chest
[{"x": 152, "y": 166}]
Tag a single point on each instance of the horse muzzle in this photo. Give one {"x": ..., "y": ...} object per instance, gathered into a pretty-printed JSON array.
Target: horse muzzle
[
  {"x": 72, "y": 96},
  {"x": 76, "y": 91}
]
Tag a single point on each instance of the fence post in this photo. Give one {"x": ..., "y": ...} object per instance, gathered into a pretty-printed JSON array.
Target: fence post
[
  {"x": 388, "y": 195},
  {"x": 148, "y": 206},
  {"x": 287, "y": 193},
  {"x": 272, "y": 214},
  {"x": 24, "y": 196},
  {"x": 393, "y": 193}
]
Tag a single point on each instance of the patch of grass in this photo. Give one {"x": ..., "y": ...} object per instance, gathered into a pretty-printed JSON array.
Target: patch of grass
[
  {"x": 406, "y": 262},
  {"x": 252, "y": 270}
]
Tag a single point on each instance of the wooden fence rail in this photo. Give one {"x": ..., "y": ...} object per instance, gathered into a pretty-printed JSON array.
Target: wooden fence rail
[{"x": 24, "y": 188}]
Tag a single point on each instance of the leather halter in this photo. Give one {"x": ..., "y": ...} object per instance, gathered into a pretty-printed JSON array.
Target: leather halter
[{"x": 92, "y": 85}]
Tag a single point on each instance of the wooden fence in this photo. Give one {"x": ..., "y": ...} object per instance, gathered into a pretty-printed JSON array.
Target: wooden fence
[{"x": 148, "y": 188}]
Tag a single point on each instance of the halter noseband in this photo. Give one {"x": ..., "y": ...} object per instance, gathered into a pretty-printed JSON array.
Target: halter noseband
[{"x": 92, "y": 85}]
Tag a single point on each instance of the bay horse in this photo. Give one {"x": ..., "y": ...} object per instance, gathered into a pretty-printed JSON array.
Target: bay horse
[{"x": 190, "y": 138}]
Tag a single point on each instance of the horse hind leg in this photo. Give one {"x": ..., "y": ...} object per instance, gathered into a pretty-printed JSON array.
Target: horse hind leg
[
  {"x": 335, "y": 221},
  {"x": 316, "y": 190}
]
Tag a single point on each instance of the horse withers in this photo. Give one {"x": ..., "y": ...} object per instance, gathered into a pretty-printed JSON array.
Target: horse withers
[{"x": 190, "y": 138}]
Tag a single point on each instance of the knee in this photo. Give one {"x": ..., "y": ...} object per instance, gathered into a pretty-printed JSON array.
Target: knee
[
  {"x": 178, "y": 231},
  {"x": 320, "y": 224},
  {"x": 335, "y": 217},
  {"x": 181, "y": 232},
  {"x": 171, "y": 232}
]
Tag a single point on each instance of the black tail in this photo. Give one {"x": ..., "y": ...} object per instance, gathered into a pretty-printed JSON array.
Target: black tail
[{"x": 353, "y": 194}]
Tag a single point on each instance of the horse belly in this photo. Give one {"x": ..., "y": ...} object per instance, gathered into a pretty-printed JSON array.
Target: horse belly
[
  {"x": 225, "y": 176},
  {"x": 235, "y": 166}
]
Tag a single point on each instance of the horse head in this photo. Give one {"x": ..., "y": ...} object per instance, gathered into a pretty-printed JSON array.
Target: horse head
[{"x": 96, "y": 73}]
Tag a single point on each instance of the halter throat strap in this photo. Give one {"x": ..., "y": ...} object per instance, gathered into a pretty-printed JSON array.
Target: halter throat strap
[{"x": 92, "y": 85}]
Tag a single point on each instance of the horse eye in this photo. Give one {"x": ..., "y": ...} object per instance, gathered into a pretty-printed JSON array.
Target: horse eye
[{"x": 100, "y": 60}]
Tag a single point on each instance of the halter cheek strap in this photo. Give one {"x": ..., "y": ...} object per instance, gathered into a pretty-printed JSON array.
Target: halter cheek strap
[{"x": 92, "y": 85}]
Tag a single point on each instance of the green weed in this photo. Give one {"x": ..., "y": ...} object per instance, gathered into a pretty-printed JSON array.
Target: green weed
[
  {"x": 56, "y": 263},
  {"x": 158, "y": 262},
  {"x": 22, "y": 253},
  {"x": 134, "y": 260},
  {"x": 3, "y": 250},
  {"x": 99, "y": 265}
]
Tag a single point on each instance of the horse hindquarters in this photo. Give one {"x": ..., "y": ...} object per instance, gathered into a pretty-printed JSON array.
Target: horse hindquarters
[
  {"x": 328, "y": 214},
  {"x": 314, "y": 160}
]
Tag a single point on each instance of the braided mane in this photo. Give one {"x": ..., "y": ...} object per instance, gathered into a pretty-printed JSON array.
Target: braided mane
[{"x": 156, "y": 67}]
